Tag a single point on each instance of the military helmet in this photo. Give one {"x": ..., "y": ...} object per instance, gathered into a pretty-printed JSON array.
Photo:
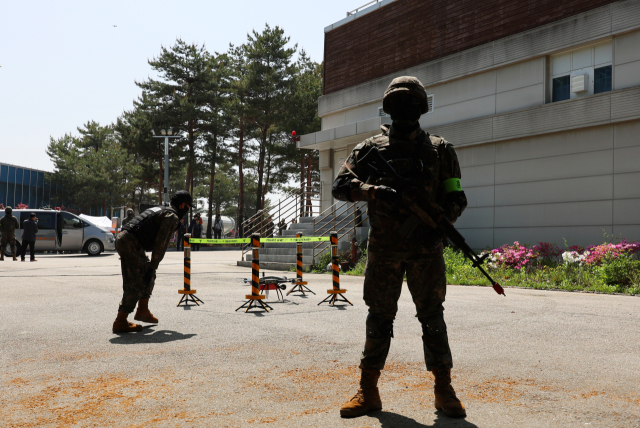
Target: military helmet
[
  {"x": 129, "y": 211},
  {"x": 407, "y": 85},
  {"x": 8, "y": 211},
  {"x": 180, "y": 197}
]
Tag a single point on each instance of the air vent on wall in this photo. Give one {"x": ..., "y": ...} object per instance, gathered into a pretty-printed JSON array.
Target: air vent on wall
[
  {"x": 430, "y": 103},
  {"x": 580, "y": 83}
]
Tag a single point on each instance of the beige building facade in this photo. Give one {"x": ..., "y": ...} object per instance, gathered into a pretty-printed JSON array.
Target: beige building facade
[{"x": 546, "y": 124}]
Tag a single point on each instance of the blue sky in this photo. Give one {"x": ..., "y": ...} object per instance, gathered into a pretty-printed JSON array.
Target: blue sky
[{"x": 64, "y": 63}]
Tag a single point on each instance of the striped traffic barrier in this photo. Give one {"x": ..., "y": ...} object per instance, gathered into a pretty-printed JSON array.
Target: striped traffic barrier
[
  {"x": 335, "y": 293},
  {"x": 188, "y": 295},
  {"x": 299, "y": 285},
  {"x": 255, "y": 295}
]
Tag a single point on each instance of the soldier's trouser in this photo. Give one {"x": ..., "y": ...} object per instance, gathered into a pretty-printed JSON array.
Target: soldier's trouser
[
  {"x": 11, "y": 240},
  {"x": 426, "y": 278},
  {"x": 134, "y": 264}
]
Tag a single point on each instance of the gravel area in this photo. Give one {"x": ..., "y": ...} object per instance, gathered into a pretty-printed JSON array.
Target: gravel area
[{"x": 530, "y": 359}]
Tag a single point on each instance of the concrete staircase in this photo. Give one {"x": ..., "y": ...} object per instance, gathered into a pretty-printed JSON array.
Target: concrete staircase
[{"x": 282, "y": 256}]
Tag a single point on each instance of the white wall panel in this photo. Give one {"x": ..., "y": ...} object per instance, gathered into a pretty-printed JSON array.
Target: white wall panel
[
  {"x": 517, "y": 99},
  {"x": 627, "y": 134},
  {"x": 627, "y": 160},
  {"x": 561, "y": 214},
  {"x": 579, "y": 235},
  {"x": 603, "y": 54},
  {"x": 479, "y": 196},
  {"x": 567, "y": 190},
  {"x": 346, "y": 130},
  {"x": 562, "y": 143},
  {"x": 469, "y": 132},
  {"x": 365, "y": 112},
  {"x": 581, "y": 58},
  {"x": 627, "y": 75},
  {"x": 626, "y": 47},
  {"x": 462, "y": 111},
  {"x": 556, "y": 167},
  {"x": 628, "y": 232},
  {"x": 625, "y": 15},
  {"x": 333, "y": 120},
  {"x": 476, "y": 155},
  {"x": 627, "y": 186},
  {"x": 561, "y": 64},
  {"x": 473, "y": 218},
  {"x": 475, "y": 176},
  {"x": 468, "y": 88},
  {"x": 478, "y": 238},
  {"x": 625, "y": 104},
  {"x": 626, "y": 211},
  {"x": 520, "y": 75}
]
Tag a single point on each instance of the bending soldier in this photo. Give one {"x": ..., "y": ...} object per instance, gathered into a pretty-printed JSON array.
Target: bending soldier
[
  {"x": 399, "y": 243},
  {"x": 8, "y": 225},
  {"x": 149, "y": 231}
]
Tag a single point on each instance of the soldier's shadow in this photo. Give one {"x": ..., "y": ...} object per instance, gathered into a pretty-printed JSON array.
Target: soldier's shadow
[
  {"x": 147, "y": 335},
  {"x": 392, "y": 420}
]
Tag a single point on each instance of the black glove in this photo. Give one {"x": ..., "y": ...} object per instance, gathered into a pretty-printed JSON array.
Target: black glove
[
  {"x": 387, "y": 194},
  {"x": 149, "y": 276}
]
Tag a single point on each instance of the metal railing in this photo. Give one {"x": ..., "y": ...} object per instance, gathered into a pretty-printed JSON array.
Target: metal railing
[
  {"x": 304, "y": 202},
  {"x": 341, "y": 218},
  {"x": 356, "y": 10}
]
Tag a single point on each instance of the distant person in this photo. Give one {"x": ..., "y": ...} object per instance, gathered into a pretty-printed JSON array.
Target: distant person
[
  {"x": 128, "y": 218},
  {"x": 8, "y": 225},
  {"x": 195, "y": 228},
  {"x": 151, "y": 230},
  {"x": 182, "y": 229},
  {"x": 218, "y": 227},
  {"x": 270, "y": 228},
  {"x": 30, "y": 228},
  {"x": 282, "y": 226}
]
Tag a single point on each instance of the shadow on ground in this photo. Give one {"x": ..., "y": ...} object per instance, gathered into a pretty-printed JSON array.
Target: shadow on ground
[
  {"x": 149, "y": 336},
  {"x": 391, "y": 420}
]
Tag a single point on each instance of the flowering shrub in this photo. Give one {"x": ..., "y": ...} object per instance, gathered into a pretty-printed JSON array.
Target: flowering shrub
[
  {"x": 547, "y": 252},
  {"x": 596, "y": 254},
  {"x": 570, "y": 257},
  {"x": 516, "y": 256}
]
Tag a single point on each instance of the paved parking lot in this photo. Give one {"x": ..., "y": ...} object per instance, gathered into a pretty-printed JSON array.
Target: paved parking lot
[{"x": 531, "y": 359}]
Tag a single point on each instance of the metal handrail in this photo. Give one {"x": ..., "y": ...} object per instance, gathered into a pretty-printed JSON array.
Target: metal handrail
[
  {"x": 356, "y": 10},
  {"x": 350, "y": 220},
  {"x": 296, "y": 203}
]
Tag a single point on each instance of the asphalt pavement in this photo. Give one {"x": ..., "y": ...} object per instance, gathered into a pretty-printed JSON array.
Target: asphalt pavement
[{"x": 530, "y": 359}]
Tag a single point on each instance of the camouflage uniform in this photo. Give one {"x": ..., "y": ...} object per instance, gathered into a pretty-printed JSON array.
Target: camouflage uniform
[
  {"x": 8, "y": 226},
  {"x": 128, "y": 218},
  {"x": 135, "y": 264},
  {"x": 400, "y": 244}
]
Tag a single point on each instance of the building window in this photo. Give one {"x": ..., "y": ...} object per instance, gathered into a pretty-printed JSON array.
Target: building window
[
  {"x": 602, "y": 79},
  {"x": 561, "y": 88}
]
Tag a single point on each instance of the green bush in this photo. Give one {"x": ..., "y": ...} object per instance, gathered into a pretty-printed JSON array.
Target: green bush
[
  {"x": 321, "y": 262},
  {"x": 621, "y": 270}
]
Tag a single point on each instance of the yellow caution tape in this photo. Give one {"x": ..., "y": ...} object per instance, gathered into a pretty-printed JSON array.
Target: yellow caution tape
[{"x": 262, "y": 240}]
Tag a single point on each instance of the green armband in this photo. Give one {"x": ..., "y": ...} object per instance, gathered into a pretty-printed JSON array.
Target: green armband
[{"x": 452, "y": 185}]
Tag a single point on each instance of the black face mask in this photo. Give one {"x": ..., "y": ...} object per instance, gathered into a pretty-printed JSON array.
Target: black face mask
[
  {"x": 405, "y": 113},
  {"x": 181, "y": 212}
]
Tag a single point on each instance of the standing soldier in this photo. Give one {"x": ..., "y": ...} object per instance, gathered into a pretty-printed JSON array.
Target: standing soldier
[
  {"x": 149, "y": 231},
  {"x": 128, "y": 218},
  {"x": 8, "y": 225},
  {"x": 399, "y": 244}
]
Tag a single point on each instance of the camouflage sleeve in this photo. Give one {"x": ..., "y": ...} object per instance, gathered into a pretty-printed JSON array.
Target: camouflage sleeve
[
  {"x": 454, "y": 200},
  {"x": 167, "y": 227},
  {"x": 16, "y": 222},
  {"x": 349, "y": 184}
]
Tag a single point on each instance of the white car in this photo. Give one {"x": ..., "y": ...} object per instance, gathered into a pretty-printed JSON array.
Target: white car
[{"x": 61, "y": 230}]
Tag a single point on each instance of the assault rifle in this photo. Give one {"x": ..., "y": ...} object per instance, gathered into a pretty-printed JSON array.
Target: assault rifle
[{"x": 429, "y": 212}]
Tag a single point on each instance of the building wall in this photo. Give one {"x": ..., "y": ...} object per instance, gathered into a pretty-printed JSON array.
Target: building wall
[
  {"x": 573, "y": 185},
  {"x": 405, "y": 33},
  {"x": 20, "y": 185}
]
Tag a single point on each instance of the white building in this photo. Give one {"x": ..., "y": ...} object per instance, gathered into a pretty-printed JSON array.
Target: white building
[{"x": 546, "y": 122}]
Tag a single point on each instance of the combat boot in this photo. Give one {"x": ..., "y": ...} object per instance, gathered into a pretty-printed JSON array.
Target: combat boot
[
  {"x": 2, "y": 257},
  {"x": 367, "y": 399},
  {"x": 143, "y": 313},
  {"x": 121, "y": 325},
  {"x": 15, "y": 259},
  {"x": 446, "y": 399}
]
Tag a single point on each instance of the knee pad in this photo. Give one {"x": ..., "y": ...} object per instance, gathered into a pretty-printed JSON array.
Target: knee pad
[
  {"x": 378, "y": 327},
  {"x": 433, "y": 324}
]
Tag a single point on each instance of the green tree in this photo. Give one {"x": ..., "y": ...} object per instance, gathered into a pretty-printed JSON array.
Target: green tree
[
  {"x": 271, "y": 70},
  {"x": 94, "y": 168}
]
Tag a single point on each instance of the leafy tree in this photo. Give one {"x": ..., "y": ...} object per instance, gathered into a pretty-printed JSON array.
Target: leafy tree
[{"x": 94, "y": 168}]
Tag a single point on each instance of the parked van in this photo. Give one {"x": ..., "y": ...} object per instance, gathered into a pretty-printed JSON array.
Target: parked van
[{"x": 63, "y": 231}]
